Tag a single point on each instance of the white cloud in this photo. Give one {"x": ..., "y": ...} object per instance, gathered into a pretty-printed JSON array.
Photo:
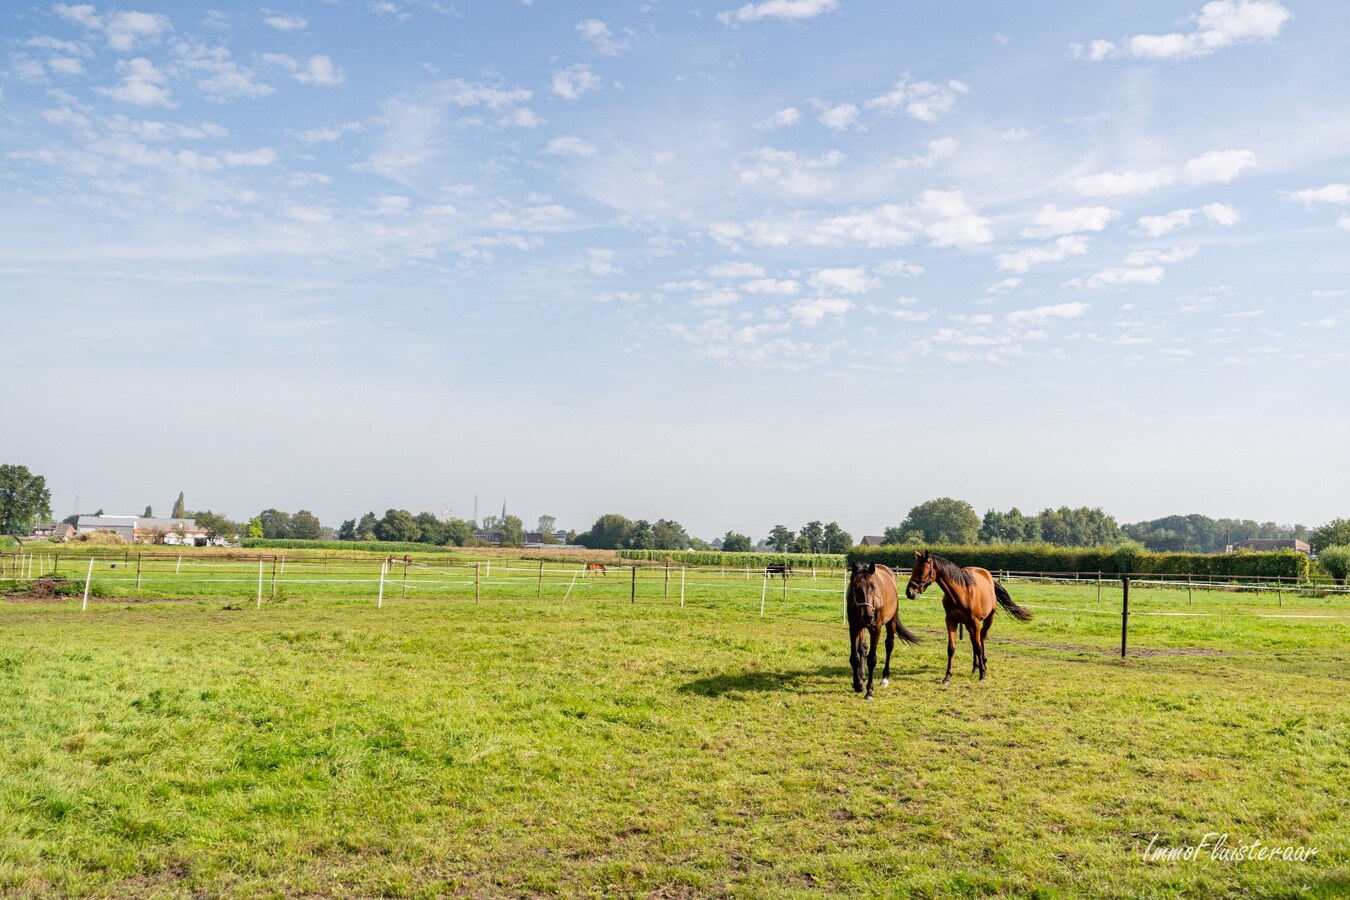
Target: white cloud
[
  {"x": 1221, "y": 214},
  {"x": 922, "y": 100},
  {"x": 1343, "y": 222},
  {"x": 845, "y": 280},
  {"x": 142, "y": 84},
  {"x": 1052, "y": 220},
  {"x": 1219, "y": 165},
  {"x": 1329, "y": 193},
  {"x": 1154, "y": 257},
  {"x": 328, "y": 134},
  {"x": 1157, "y": 226},
  {"x": 784, "y": 118},
  {"x": 285, "y": 23},
  {"x": 65, "y": 65},
  {"x": 123, "y": 30},
  {"x": 263, "y": 156},
  {"x": 572, "y": 82},
  {"x": 320, "y": 72},
  {"x": 1219, "y": 24},
  {"x": 1108, "y": 184},
  {"x": 895, "y": 267},
  {"x": 838, "y": 118},
  {"x": 777, "y": 9},
  {"x": 813, "y": 312},
  {"x": 569, "y": 146},
  {"x": 597, "y": 34},
  {"x": 1013, "y": 135},
  {"x": 1022, "y": 260},
  {"x": 737, "y": 270},
  {"x": 1006, "y": 284},
  {"x": 600, "y": 263},
  {"x": 225, "y": 79},
  {"x": 721, "y": 297},
  {"x": 938, "y": 150},
  {"x": 1120, "y": 276},
  {"x": 948, "y": 221},
  {"x": 785, "y": 169},
  {"x": 786, "y": 287}
]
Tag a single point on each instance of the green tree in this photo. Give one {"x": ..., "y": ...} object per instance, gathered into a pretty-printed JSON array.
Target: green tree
[
  {"x": 1080, "y": 527},
  {"x": 431, "y": 530},
  {"x": 1335, "y": 561},
  {"x": 669, "y": 535},
  {"x": 835, "y": 539},
  {"x": 1335, "y": 533},
  {"x": 304, "y": 526},
  {"x": 642, "y": 537},
  {"x": 610, "y": 532},
  {"x": 546, "y": 527},
  {"x": 179, "y": 509},
  {"x": 347, "y": 531},
  {"x": 275, "y": 524},
  {"x": 458, "y": 532},
  {"x": 148, "y": 514},
  {"x": 24, "y": 498},
  {"x": 811, "y": 539},
  {"x": 365, "y": 529},
  {"x": 217, "y": 526},
  {"x": 255, "y": 527},
  {"x": 512, "y": 531},
  {"x": 736, "y": 543},
  {"x": 397, "y": 525},
  {"x": 943, "y": 521},
  {"x": 781, "y": 538}
]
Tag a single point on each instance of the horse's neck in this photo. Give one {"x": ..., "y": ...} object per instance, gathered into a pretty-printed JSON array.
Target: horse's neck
[{"x": 942, "y": 581}]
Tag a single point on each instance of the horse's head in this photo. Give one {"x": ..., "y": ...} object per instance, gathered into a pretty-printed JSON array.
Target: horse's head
[
  {"x": 922, "y": 575},
  {"x": 861, "y": 587}
]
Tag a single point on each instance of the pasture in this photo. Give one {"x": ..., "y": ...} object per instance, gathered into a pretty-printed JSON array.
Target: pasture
[{"x": 529, "y": 745}]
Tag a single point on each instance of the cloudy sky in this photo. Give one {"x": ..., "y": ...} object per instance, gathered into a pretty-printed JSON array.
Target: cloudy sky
[{"x": 731, "y": 264}]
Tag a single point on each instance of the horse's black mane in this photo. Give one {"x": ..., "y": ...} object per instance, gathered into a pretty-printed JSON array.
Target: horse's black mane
[{"x": 951, "y": 571}]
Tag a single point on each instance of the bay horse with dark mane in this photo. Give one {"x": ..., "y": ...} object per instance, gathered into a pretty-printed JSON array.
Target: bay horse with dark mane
[
  {"x": 970, "y": 597},
  {"x": 872, "y": 602}
]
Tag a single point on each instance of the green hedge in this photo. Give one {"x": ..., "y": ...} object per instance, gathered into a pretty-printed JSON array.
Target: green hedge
[
  {"x": 376, "y": 546},
  {"x": 1107, "y": 560},
  {"x": 739, "y": 560}
]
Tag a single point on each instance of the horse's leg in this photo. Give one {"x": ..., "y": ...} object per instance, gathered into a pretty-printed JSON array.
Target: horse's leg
[
  {"x": 977, "y": 645},
  {"x": 873, "y": 632},
  {"x": 951, "y": 647},
  {"x": 984, "y": 645},
  {"x": 855, "y": 658},
  {"x": 890, "y": 644}
]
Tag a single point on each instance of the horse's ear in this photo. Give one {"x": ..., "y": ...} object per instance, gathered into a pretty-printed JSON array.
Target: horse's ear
[
  {"x": 918, "y": 555},
  {"x": 871, "y": 567}
]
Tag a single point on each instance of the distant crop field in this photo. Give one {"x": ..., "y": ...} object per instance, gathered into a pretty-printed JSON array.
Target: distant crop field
[{"x": 323, "y": 746}]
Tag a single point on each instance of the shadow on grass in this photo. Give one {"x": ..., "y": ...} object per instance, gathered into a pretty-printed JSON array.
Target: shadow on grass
[{"x": 802, "y": 681}]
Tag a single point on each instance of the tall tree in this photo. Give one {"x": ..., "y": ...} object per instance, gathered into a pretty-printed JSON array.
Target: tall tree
[
  {"x": 780, "y": 538},
  {"x": 275, "y": 524},
  {"x": 642, "y": 537},
  {"x": 255, "y": 527},
  {"x": 669, "y": 535},
  {"x": 365, "y": 529},
  {"x": 179, "y": 509},
  {"x": 305, "y": 526},
  {"x": 610, "y": 532},
  {"x": 547, "y": 527},
  {"x": 347, "y": 531},
  {"x": 736, "y": 543},
  {"x": 148, "y": 514},
  {"x": 431, "y": 530},
  {"x": 835, "y": 539},
  {"x": 458, "y": 532},
  {"x": 1335, "y": 533},
  {"x": 397, "y": 525},
  {"x": 811, "y": 539},
  {"x": 24, "y": 498},
  {"x": 943, "y": 521},
  {"x": 217, "y": 526},
  {"x": 513, "y": 531}
]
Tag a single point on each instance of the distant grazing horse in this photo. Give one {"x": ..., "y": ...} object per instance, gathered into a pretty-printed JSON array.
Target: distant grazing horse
[
  {"x": 872, "y": 602},
  {"x": 594, "y": 567},
  {"x": 784, "y": 569},
  {"x": 969, "y": 596}
]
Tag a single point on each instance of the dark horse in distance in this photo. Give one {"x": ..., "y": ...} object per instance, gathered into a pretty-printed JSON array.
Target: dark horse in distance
[
  {"x": 873, "y": 603},
  {"x": 969, "y": 596}
]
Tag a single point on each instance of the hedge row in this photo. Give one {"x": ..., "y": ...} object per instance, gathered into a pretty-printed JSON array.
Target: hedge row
[
  {"x": 1108, "y": 560},
  {"x": 376, "y": 546},
  {"x": 739, "y": 560}
]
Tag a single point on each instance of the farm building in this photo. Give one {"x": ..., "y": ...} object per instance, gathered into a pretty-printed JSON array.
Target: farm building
[
  {"x": 145, "y": 530},
  {"x": 871, "y": 540},
  {"x": 1273, "y": 544},
  {"x": 55, "y": 531}
]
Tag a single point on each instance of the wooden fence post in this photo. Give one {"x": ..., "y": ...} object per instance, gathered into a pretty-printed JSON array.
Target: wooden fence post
[
  {"x": 138, "y": 571},
  {"x": 632, "y": 596},
  {"x": 477, "y": 583},
  {"x": 274, "y": 578},
  {"x": 1124, "y": 615},
  {"x": 539, "y": 594},
  {"x": 666, "y": 596}
]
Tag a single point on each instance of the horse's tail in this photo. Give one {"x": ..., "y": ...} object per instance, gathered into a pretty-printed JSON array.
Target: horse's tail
[
  {"x": 906, "y": 635},
  {"x": 1020, "y": 613}
]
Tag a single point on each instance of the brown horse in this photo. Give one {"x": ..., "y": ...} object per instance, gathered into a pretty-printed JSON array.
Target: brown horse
[
  {"x": 872, "y": 601},
  {"x": 594, "y": 567},
  {"x": 969, "y": 596}
]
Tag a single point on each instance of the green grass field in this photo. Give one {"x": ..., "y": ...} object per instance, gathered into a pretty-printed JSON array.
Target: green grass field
[{"x": 320, "y": 746}]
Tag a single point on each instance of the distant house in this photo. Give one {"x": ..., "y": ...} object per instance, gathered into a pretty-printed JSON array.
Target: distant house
[
  {"x": 54, "y": 531},
  {"x": 1274, "y": 544},
  {"x": 871, "y": 540}
]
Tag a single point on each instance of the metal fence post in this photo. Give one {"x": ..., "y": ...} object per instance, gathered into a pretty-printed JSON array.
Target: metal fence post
[
  {"x": 632, "y": 596},
  {"x": 1124, "y": 615}
]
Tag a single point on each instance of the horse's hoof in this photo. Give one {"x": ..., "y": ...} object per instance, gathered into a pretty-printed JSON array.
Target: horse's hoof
[
  {"x": 946, "y": 681},
  {"x": 868, "y": 697},
  {"x": 857, "y": 689}
]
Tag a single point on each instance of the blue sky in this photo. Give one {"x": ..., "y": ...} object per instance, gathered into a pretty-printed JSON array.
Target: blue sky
[{"x": 730, "y": 264}]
